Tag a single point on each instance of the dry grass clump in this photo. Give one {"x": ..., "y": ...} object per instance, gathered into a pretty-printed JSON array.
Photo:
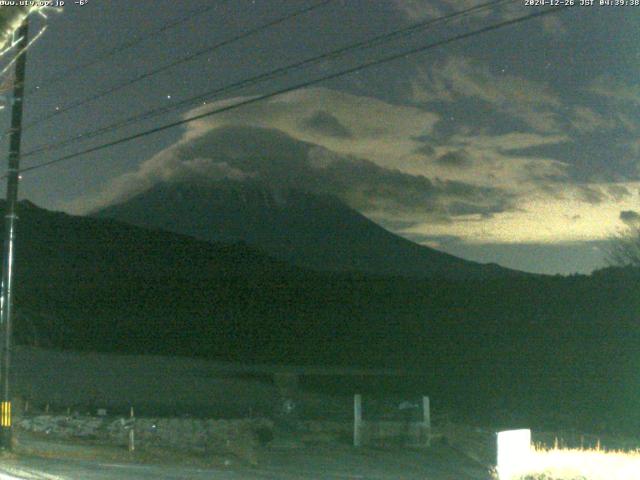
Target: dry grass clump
[{"x": 580, "y": 464}]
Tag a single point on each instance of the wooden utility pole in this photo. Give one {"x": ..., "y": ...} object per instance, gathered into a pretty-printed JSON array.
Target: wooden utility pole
[{"x": 13, "y": 178}]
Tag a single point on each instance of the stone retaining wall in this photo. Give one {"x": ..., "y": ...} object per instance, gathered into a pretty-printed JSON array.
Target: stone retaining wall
[{"x": 239, "y": 437}]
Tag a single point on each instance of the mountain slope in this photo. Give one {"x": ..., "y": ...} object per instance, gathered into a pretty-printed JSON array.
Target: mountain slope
[
  {"x": 97, "y": 284},
  {"x": 523, "y": 344},
  {"x": 308, "y": 230}
]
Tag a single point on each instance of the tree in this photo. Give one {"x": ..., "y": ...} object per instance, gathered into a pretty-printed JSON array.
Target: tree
[{"x": 624, "y": 248}]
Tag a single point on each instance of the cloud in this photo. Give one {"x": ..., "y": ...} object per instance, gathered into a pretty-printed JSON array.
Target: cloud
[
  {"x": 340, "y": 124},
  {"x": 275, "y": 159},
  {"x": 615, "y": 90},
  {"x": 464, "y": 77},
  {"x": 627, "y": 122},
  {"x": 510, "y": 142},
  {"x": 618, "y": 192},
  {"x": 164, "y": 167},
  {"x": 590, "y": 194},
  {"x": 554, "y": 26},
  {"x": 542, "y": 218},
  {"x": 458, "y": 159},
  {"x": 326, "y": 124},
  {"x": 630, "y": 217},
  {"x": 425, "y": 149},
  {"x": 391, "y": 136},
  {"x": 387, "y": 161},
  {"x": 502, "y": 161},
  {"x": 382, "y": 132},
  {"x": 456, "y": 78},
  {"x": 586, "y": 120},
  {"x": 393, "y": 195},
  {"x": 536, "y": 104},
  {"x": 418, "y": 9}
]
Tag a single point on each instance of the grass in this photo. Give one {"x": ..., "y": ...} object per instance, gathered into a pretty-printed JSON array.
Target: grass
[
  {"x": 579, "y": 464},
  {"x": 38, "y": 445}
]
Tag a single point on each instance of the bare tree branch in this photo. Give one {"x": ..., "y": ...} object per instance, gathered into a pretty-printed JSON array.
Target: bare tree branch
[{"x": 624, "y": 248}]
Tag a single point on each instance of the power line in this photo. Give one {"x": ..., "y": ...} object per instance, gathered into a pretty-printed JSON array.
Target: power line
[
  {"x": 65, "y": 74},
  {"x": 298, "y": 86},
  {"x": 180, "y": 61},
  {"x": 378, "y": 40}
]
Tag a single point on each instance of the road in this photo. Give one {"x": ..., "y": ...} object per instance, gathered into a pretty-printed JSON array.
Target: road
[{"x": 322, "y": 463}]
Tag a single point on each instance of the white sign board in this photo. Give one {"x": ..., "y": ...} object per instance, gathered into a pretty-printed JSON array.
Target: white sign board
[{"x": 514, "y": 453}]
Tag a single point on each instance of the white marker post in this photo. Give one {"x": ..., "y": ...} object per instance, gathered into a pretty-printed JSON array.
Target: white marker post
[
  {"x": 357, "y": 420},
  {"x": 132, "y": 432},
  {"x": 426, "y": 419}
]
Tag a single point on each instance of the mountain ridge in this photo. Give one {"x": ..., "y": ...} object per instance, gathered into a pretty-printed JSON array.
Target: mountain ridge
[{"x": 312, "y": 231}]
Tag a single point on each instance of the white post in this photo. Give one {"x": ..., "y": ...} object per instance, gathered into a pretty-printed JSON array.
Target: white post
[
  {"x": 132, "y": 433},
  {"x": 426, "y": 418},
  {"x": 357, "y": 420},
  {"x": 426, "y": 411}
]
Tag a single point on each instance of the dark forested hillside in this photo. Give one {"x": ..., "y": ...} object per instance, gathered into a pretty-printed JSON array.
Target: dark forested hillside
[{"x": 543, "y": 344}]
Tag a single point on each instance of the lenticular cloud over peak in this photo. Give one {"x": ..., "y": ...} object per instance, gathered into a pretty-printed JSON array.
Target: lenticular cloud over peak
[{"x": 389, "y": 162}]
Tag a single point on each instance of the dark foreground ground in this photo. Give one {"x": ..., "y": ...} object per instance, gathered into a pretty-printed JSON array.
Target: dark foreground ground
[{"x": 52, "y": 461}]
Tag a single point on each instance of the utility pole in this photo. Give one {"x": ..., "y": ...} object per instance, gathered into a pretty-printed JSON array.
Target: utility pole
[{"x": 13, "y": 177}]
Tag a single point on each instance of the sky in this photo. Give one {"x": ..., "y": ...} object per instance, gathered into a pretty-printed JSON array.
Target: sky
[{"x": 520, "y": 146}]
